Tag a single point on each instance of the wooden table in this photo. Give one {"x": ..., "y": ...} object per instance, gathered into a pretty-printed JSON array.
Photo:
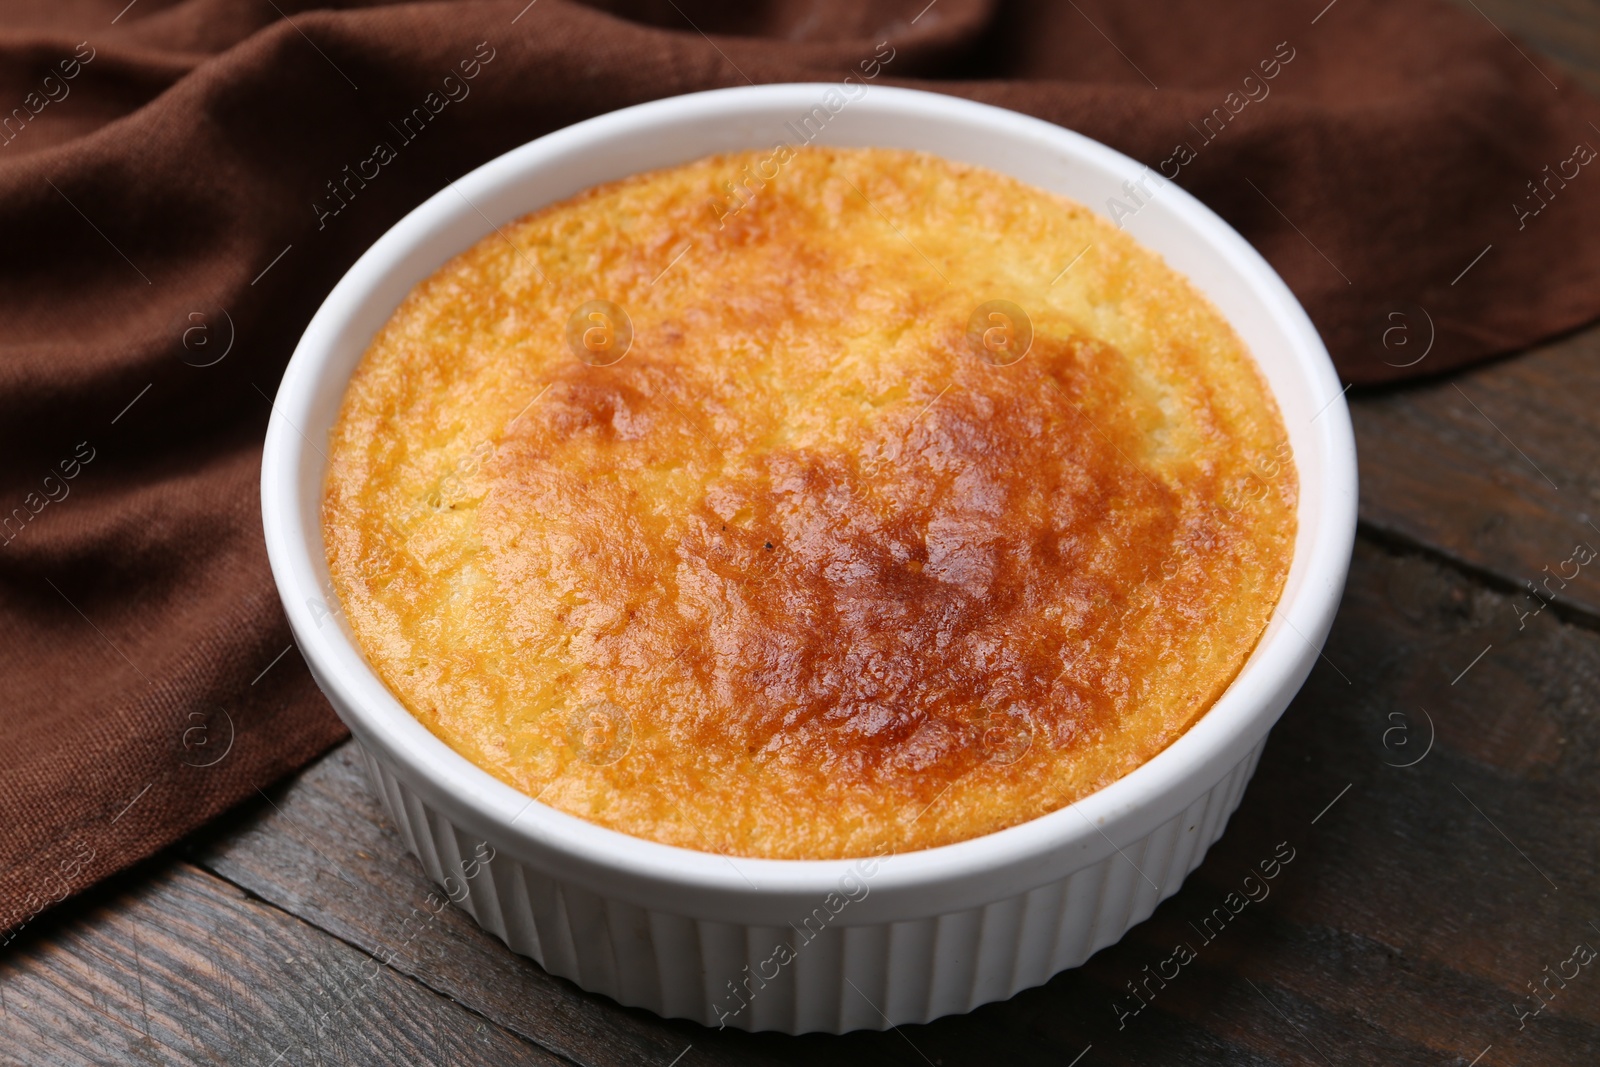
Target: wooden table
[{"x": 1436, "y": 781}]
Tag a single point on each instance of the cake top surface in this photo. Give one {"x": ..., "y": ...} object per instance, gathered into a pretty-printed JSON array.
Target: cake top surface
[{"x": 808, "y": 503}]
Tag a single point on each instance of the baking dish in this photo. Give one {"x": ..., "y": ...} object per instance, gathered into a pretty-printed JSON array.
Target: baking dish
[{"x": 830, "y": 945}]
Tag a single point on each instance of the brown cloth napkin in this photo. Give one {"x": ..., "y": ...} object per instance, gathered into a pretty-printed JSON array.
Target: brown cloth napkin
[{"x": 168, "y": 223}]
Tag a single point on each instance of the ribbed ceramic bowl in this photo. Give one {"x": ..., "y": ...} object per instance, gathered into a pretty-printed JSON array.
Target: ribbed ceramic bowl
[{"x": 812, "y": 945}]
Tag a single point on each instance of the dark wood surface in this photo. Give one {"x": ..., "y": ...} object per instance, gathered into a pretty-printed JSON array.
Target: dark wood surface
[{"x": 1438, "y": 780}]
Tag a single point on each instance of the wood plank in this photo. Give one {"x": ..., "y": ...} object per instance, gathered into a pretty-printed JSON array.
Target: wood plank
[
  {"x": 1403, "y": 931},
  {"x": 1496, "y": 468},
  {"x": 177, "y": 966}
]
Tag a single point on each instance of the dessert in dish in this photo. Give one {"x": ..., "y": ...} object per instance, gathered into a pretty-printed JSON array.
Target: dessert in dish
[{"x": 808, "y": 503}]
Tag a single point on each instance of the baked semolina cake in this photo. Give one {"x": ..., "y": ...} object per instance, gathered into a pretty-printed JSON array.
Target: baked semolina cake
[{"x": 808, "y": 503}]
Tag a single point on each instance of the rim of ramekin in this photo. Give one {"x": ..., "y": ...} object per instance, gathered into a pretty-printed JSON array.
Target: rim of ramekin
[{"x": 631, "y": 866}]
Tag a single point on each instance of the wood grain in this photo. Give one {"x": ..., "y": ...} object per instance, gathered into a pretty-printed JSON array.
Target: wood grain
[
  {"x": 180, "y": 966},
  {"x": 1498, "y": 469}
]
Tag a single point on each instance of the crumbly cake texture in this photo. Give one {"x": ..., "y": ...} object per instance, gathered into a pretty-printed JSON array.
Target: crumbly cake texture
[{"x": 807, "y": 573}]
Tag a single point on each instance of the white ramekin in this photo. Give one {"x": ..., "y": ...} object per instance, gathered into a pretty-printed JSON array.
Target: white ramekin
[{"x": 727, "y": 941}]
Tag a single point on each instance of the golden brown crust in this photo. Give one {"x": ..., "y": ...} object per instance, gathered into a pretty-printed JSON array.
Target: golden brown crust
[{"x": 801, "y": 575}]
